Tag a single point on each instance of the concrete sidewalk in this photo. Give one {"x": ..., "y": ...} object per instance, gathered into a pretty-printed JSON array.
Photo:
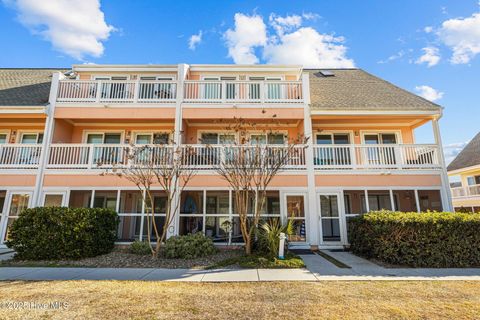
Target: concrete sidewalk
[{"x": 318, "y": 269}]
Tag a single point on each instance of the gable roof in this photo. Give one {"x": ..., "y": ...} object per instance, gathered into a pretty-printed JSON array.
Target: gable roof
[
  {"x": 25, "y": 86},
  {"x": 355, "y": 89},
  {"x": 468, "y": 157}
]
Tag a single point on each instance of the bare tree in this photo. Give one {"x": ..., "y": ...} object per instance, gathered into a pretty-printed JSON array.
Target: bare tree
[
  {"x": 165, "y": 165},
  {"x": 249, "y": 167}
]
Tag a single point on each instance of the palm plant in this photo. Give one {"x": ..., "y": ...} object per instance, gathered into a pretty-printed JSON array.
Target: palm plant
[{"x": 270, "y": 234}]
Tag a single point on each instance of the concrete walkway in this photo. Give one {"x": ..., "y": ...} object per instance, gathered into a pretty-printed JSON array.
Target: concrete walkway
[{"x": 318, "y": 269}]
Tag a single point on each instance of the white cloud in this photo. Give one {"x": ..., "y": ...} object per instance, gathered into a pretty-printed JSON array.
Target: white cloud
[
  {"x": 310, "y": 48},
  {"x": 428, "y": 93},
  {"x": 431, "y": 56},
  {"x": 76, "y": 28},
  {"x": 393, "y": 57},
  {"x": 285, "y": 41},
  {"x": 452, "y": 150},
  {"x": 249, "y": 32},
  {"x": 285, "y": 24},
  {"x": 195, "y": 39},
  {"x": 462, "y": 36},
  {"x": 428, "y": 29}
]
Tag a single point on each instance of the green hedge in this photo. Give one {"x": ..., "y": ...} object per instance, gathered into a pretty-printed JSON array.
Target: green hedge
[
  {"x": 47, "y": 233},
  {"x": 431, "y": 239},
  {"x": 189, "y": 246}
]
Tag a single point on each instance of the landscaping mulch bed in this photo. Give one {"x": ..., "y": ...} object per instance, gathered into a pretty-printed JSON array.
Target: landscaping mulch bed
[{"x": 121, "y": 258}]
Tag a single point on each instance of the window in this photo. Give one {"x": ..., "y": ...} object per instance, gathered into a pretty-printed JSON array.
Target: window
[
  {"x": 18, "y": 202},
  {"x": 473, "y": 180},
  {"x": 212, "y": 88},
  {"x": 273, "y": 90},
  {"x": 296, "y": 213},
  {"x": 152, "y": 87},
  {"x": 105, "y": 154},
  {"x": 112, "y": 89},
  {"x": 333, "y": 156},
  {"x": 270, "y": 138},
  {"x": 380, "y": 155},
  {"x": 53, "y": 200},
  {"x": 217, "y": 138},
  {"x": 149, "y": 138},
  {"x": 31, "y": 138},
  {"x": 3, "y": 138}
]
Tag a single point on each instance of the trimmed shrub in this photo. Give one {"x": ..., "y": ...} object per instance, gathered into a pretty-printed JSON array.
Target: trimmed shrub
[
  {"x": 189, "y": 246},
  {"x": 430, "y": 239},
  {"x": 47, "y": 233},
  {"x": 140, "y": 248}
]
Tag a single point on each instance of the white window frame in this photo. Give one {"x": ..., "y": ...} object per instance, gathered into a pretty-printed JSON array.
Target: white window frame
[
  {"x": 87, "y": 132},
  {"x": 62, "y": 193},
  {"x": 7, "y": 205},
  {"x": 398, "y": 134},
  {"x": 150, "y": 133},
  {"x": 332, "y": 132},
  {"x": 284, "y": 213},
  {"x": 21, "y": 133},
  {"x": 219, "y": 132},
  {"x": 261, "y": 132},
  {"x": 7, "y": 133}
]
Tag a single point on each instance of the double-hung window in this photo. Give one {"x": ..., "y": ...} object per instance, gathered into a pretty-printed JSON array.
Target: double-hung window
[
  {"x": 335, "y": 150},
  {"x": 156, "y": 88}
]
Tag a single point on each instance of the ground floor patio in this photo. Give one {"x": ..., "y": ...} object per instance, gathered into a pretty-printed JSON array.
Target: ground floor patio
[{"x": 211, "y": 210}]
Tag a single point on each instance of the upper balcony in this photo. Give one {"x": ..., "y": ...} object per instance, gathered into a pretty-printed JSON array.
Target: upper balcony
[
  {"x": 207, "y": 92},
  {"x": 469, "y": 191}
]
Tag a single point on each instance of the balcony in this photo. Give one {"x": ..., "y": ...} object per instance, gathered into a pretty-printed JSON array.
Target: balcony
[
  {"x": 469, "y": 191},
  {"x": 149, "y": 92},
  {"x": 376, "y": 157},
  {"x": 199, "y": 157},
  {"x": 19, "y": 156},
  {"x": 110, "y": 91},
  {"x": 243, "y": 92},
  {"x": 206, "y": 157}
]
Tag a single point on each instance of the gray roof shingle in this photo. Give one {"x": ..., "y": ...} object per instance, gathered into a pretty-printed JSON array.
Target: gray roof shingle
[
  {"x": 355, "y": 89},
  {"x": 468, "y": 157},
  {"x": 25, "y": 87}
]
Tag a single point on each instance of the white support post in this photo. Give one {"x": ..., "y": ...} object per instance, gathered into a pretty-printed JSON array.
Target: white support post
[
  {"x": 313, "y": 214},
  {"x": 92, "y": 198},
  {"x": 117, "y": 204},
  {"x": 417, "y": 200},
  {"x": 392, "y": 200},
  {"x": 177, "y": 143},
  {"x": 367, "y": 204},
  {"x": 47, "y": 138},
  {"x": 447, "y": 198},
  {"x": 142, "y": 217}
]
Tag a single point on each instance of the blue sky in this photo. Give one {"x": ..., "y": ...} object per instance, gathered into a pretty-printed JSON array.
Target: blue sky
[{"x": 386, "y": 38}]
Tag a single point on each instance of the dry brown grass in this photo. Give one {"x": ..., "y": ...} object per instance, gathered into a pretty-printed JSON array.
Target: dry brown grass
[{"x": 287, "y": 300}]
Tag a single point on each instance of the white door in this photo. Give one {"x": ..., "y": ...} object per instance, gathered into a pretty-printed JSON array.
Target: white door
[
  {"x": 16, "y": 201},
  {"x": 331, "y": 219}
]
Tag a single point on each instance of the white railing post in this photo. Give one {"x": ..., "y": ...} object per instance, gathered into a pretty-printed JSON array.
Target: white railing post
[
  {"x": 91, "y": 150},
  {"x": 262, "y": 91},
  {"x": 399, "y": 154},
  {"x": 99, "y": 91},
  {"x": 224, "y": 91},
  {"x": 136, "y": 90}
]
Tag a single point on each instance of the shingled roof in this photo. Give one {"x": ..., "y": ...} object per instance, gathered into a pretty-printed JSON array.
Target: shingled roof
[
  {"x": 25, "y": 87},
  {"x": 468, "y": 157},
  {"x": 355, "y": 89}
]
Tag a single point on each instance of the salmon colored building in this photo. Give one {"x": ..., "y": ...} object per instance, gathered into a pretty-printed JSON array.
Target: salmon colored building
[{"x": 56, "y": 126}]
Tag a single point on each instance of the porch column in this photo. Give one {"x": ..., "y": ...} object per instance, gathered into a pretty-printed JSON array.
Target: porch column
[
  {"x": 47, "y": 138},
  {"x": 313, "y": 214},
  {"x": 173, "y": 229},
  {"x": 446, "y": 194}
]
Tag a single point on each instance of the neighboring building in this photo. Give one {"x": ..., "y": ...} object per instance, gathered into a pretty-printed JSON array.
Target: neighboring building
[
  {"x": 466, "y": 194},
  {"x": 361, "y": 154}
]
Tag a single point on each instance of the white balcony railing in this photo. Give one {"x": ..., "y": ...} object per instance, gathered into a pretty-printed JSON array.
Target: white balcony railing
[
  {"x": 19, "y": 156},
  {"x": 202, "y": 157},
  {"x": 469, "y": 191},
  {"x": 243, "y": 91},
  {"x": 338, "y": 157},
  {"x": 325, "y": 157},
  {"x": 208, "y": 156},
  {"x": 116, "y": 91}
]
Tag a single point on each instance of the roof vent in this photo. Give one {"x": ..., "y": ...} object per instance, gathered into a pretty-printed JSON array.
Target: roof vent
[{"x": 325, "y": 73}]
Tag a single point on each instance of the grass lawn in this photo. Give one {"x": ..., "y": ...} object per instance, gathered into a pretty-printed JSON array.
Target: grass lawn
[{"x": 267, "y": 300}]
